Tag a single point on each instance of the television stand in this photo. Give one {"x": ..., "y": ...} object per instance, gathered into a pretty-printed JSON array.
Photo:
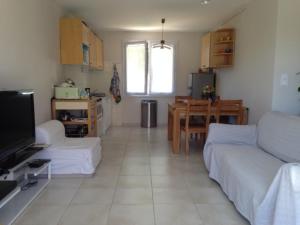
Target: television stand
[
  {"x": 15, "y": 202},
  {"x": 19, "y": 157}
]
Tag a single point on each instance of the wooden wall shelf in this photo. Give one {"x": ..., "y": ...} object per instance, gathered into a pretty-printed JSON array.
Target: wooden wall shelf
[{"x": 217, "y": 49}]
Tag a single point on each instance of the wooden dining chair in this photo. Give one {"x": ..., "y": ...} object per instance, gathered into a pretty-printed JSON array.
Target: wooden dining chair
[
  {"x": 196, "y": 108},
  {"x": 229, "y": 108},
  {"x": 179, "y": 99}
]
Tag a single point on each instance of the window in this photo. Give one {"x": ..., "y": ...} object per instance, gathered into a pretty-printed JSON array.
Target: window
[{"x": 149, "y": 70}]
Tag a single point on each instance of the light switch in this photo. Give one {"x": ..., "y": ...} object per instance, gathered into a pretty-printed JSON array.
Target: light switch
[{"x": 284, "y": 79}]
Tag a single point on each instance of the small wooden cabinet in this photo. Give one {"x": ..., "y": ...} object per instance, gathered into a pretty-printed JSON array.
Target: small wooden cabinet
[
  {"x": 79, "y": 45},
  {"x": 83, "y": 114},
  {"x": 217, "y": 49}
]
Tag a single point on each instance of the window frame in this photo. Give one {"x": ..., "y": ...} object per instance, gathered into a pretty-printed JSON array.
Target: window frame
[{"x": 148, "y": 52}]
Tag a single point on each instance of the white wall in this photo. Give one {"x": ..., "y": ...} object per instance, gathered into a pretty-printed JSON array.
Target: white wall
[
  {"x": 251, "y": 78},
  {"x": 287, "y": 98},
  {"x": 29, "y": 49},
  {"x": 128, "y": 111}
]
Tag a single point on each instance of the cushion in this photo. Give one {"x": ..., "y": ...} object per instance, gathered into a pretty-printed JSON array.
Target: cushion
[
  {"x": 51, "y": 132},
  {"x": 279, "y": 135}
]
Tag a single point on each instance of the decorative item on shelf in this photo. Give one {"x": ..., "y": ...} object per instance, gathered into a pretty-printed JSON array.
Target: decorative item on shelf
[
  {"x": 228, "y": 50},
  {"x": 65, "y": 116},
  {"x": 208, "y": 92},
  {"x": 83, "y": 94}
]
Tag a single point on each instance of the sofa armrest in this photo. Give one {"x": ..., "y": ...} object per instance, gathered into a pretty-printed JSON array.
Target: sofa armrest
[
  {"x": 231, "y": 134},
  {"x": 281, "y": 204}
]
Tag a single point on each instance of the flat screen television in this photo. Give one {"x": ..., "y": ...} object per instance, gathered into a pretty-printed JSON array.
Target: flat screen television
[{"x": 17, "y": 122}]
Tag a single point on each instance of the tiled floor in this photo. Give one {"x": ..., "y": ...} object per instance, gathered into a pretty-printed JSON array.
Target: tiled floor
[{"x": 139, "y": 182}]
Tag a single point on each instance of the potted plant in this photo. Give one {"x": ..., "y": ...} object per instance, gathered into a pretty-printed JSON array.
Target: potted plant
[{"x": 208, "y": 92}]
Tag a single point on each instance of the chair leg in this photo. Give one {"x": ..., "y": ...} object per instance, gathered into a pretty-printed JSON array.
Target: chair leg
[{"x": 187, "y": 143}]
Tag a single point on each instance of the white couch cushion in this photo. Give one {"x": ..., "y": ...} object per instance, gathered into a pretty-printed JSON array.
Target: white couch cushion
[
  {"x": 279, "y": 135},
  {"x": 51, "y": 132}
]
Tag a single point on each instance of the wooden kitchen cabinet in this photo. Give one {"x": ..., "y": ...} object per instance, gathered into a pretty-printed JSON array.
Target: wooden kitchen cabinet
[
  {"x": 79, "y": 45},
  {"x": 217, "y": 49},
  {"x": 74, "y": 43},
  {"x": 99, "y": 54}
]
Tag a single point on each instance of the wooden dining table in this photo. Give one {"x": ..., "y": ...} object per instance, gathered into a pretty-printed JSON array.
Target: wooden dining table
[{"x": 176, "y": 111}]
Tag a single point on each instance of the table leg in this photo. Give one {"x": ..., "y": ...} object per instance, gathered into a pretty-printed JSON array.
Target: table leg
[
  {"x": 176, "y": 132},
  {"x": 170, "y": 126}
]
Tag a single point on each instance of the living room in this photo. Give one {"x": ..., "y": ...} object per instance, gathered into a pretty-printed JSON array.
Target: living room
[{"x": 144, "y": 178}]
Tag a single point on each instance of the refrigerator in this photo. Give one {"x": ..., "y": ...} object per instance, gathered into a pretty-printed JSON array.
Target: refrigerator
[{"x": 197, "y": 81}]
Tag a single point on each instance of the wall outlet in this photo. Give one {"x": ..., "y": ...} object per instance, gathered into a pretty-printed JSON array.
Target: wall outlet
[{"x": 284, "y": 79}]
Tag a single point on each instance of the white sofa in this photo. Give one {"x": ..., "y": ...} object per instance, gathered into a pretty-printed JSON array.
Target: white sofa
[
  {"x": 76, "y": 156},
  {"x": 257, "y": 167}
]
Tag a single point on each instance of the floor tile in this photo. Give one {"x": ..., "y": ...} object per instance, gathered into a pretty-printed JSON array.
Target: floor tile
[
  {"x": 134, "y": 182},
  {"x": 56, "y": 196},
  {"x": 108, "y": 170},
  {"x": 171, "y": 196},
  {"x": 62, "y": 183},
  {"x": 133, "y": 196},
  {"x": 136, "y": 160},
  {"x": 177, "y": 214},
  {"x": 199, "y": 181},
  {"x": 100, "y": 182},
  {"x": 131, "y": 215},
  {"x": 41, "y": 215},
  {"x": 223, "y": 214},
  {"x": 177, "y": 182},
  {"x": 135, "y": 170},
  {"x": 93, "y": 196},
  {"x": 85, "y": 215},
  {"x": 165, "y": 170},
  {"x": 208, "y": 195}
]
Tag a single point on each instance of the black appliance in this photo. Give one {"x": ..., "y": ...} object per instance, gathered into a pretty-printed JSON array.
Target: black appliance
[
  {"x": 17, "y": 126},
  {"x": 197, "y": 81}
]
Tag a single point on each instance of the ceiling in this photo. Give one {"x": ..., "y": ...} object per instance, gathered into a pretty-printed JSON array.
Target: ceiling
[{"x": 145, "y": 15}]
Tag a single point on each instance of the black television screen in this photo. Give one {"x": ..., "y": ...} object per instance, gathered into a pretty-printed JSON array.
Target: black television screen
[{"x": 17, "y": 123}]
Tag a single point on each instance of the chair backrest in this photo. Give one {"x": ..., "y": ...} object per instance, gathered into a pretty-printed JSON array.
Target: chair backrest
[
  {"x": 198, "y": 108},
  {"x": 182, "y": 98},
  {"x": 229, "y": 107}
]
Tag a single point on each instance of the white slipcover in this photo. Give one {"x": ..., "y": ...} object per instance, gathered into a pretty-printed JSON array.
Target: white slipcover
[
  {"x": 279, "y": 135},
  {"x": 68, "y": 155},
  {"x": 263, "y": 188}
]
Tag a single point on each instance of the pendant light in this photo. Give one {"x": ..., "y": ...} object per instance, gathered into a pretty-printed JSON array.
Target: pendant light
[{"x": 162, "y": 44}]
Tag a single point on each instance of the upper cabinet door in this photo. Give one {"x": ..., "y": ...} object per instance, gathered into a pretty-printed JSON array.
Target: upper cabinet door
[
  {"x": 99, "y": 54},
  {"x": 205, "y": 51},
  {"x": 72, "y": 41},
  {"x": 92, "y": 50}
]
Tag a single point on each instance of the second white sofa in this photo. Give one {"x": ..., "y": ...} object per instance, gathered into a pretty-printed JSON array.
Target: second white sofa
[{"x": 257, "y": 167}]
